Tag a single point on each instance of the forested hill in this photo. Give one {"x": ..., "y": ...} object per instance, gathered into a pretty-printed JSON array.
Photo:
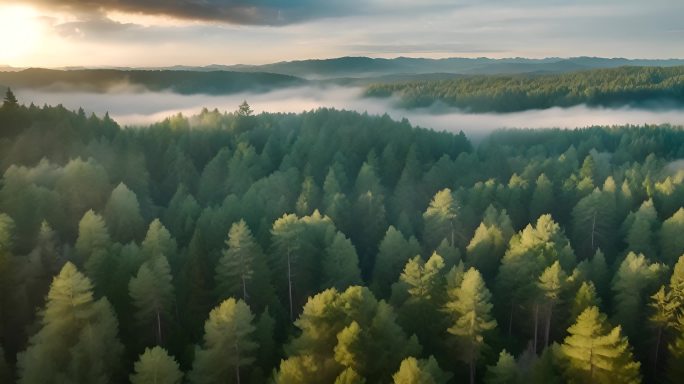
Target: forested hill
[
  {"x": 184, "y": 82},
  {"x": 626, "y": 86},
  {"x": 335, "y": 247}
]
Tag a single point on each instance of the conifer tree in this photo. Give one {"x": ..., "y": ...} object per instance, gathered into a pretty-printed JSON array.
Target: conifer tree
[
  {"x": 595, "y": 353},
  {"x": 122, "y": 214},
  {"x": 235, "y": 269},
  {"x": 671, "y": 240},
  {"x": 394, "y": 252},
  {"x": 542, "y": 198},
  {"x": 413, "y": 371},
  {"x": 152, "y": 293},
  {"x": 228, "y": 344},
  {"x": 77, "y": 341},
  {"x": 470, "y": 305},
  {"x": 585, "y": 297},
  {"x": 340, "y": 266},
  {"x": 441, "y": 221},
  {"x": 156, "y": 366},
  {"x": 551, "y": 283},
  {"x": 504, "y": 372}
]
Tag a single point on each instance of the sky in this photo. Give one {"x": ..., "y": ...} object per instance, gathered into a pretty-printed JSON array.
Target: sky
[{"x": 149, "y": 33}]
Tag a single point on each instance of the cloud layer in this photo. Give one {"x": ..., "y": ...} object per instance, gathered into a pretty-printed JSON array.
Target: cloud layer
[{"x": 247, "y": 12}]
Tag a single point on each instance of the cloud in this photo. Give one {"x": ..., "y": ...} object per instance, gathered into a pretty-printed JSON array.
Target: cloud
[{"x": 246, "y": 12}]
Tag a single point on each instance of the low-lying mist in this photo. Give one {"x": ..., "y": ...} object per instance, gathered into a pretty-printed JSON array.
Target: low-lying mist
[{"x": 142, "y": 108}]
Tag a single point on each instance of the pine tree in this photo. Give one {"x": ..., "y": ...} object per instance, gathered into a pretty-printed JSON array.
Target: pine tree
[
  {"x": 504, "y": 372},
  {"x": 551, "y": 283},
  {"x": 486, "y": 250},
  {"x": 671, "y": 241},
  {"x": 152, "y": 293},
  {"x": 441, "y": 221},
  {"x": 156, "y": 366},
  {"x": 77, "y": 341},
  {"x": 640, "y": 233},
  {"x": 349, "y": 376},
  {"x": 542, "y": 198},
  {"x": 470, "y": 306},
  {"x": 595, "y": 353},
  {"x": 228, "y": 344},
  {"x": 93, "y": 244},
  {"x": 158, "y": 242},
  {"x": 340, "y": 265},
  {"x": 413, "y": 371},
  {"x": 664, "y": 313},
  {"x": 585, "y": 297},
  {"x": 10, "y": 100},
  {"x": 122, "y": 214},
  {"x": 235, "y": 269},
  {"x": 394, "y": 252}
]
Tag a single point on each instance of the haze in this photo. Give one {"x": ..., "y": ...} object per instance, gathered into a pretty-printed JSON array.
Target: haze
[
  {"x": 59, "y": 33},
  {"x": 142, "y": 108}
]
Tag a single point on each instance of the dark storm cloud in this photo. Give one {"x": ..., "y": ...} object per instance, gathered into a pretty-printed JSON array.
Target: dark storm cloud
[{"x": 249, "y": 12}]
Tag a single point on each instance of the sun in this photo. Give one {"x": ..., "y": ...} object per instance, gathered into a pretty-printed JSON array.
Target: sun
[{"x": 20, "y": 32}]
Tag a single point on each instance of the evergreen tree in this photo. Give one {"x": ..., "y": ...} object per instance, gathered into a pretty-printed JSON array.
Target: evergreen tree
[
  {"x": 10, "y": 101},
  {"x": 595, "y": 353},
  {"x": 156, "y": 366},
  {"x": 504, "y": 372},
  {"x": 412, "y": 371},
  {"x": 228, "y": 344},
  {"x": 158, "y": 242},
  {"x": 551, "y": 284},
  {"x": 542, "y": 198},
  {"x": 671, "y": 241},
  {"x": 153, "y": 295},
  {"x": 641, "y": 225},
  {"x": 442, "y": 222},
  {"x": 235, "y": 269},
  {"x": 349, "y": 376},
  {"x": 470, "y": 306},
  {"x": 340, "y": 266},
  {"x": 122, "y": 214},
  {"x": 585, "y": 297},
  {"x": 77, "y": 341},
  {"x": 394, "y": 252}
]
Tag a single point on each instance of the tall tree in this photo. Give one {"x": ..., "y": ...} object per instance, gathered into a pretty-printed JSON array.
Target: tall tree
[
  {"x": 394, "y": 251},
  {"x": 77, "y": 341},
  {"x": 153, "y": 295},
  {"x": 470, "y": 306},
  {"x": 426, "y": 371},
  {"x": 504, "y": 372},
  {"x": 671, "y": 241},
  {"x": 122, "y": 214},
  {"x": 340, "y": 264},
  {"x": 595, "y": 353},
  {"x": 235, "y": 269},
  {"x": 157, "y": 367},
  {"x": 228, "y": 344},
  {"x": 441, "y": 221},
  {"x": 551, "y": 284}
]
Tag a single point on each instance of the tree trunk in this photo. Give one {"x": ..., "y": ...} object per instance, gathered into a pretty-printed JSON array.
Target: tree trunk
[
  {"x": 547, "y": 331},
  {"x": 237, "y": 362},
  {"x": 159, "y": 332},
  {"x": 289, "y": 284},
  {"x": 244, "y": 288},
  {"x": 536, "y": 326},
  {"x": 657, "y": 349},
  {"x": 510, "y": 319},
  {"x": 472, "y": 371}
]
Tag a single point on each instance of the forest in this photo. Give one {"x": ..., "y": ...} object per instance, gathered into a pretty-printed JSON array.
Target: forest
[
  {"x": 183, "y": 82},
  {"x": 336, "y": 247},
  {"x": 614, "y": 87}
]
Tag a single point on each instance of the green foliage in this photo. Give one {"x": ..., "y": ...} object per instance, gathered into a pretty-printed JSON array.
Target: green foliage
[
  {"x": 595, "y": 353},
  {"x": 122, "y": 214},
  {"x": 504, "y": 372},
  {"x": 441, "y": 221},
  {"x": 156, "y": 366},
  {"x": 152, "y": 293},
  {"x": 228, "y": 344},
  {"x": 426, "y": 371},
  {"x": 77, "y": 341},
  {"x": 235, "y": 269},
  {"x": 671, "y": 241},
  {"x": 394, "y": 251},
  {"x": 509, "y": 93},
  {"x": 470, "y": 307}
]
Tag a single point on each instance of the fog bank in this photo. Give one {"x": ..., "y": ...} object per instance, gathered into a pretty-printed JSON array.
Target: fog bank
[{"x": 142, "y": 108}]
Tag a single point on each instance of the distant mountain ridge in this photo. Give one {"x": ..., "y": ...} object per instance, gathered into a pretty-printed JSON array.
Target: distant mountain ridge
[
  {"x": 372, "y": 67},
  {"x": 183, "y": 82}
]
